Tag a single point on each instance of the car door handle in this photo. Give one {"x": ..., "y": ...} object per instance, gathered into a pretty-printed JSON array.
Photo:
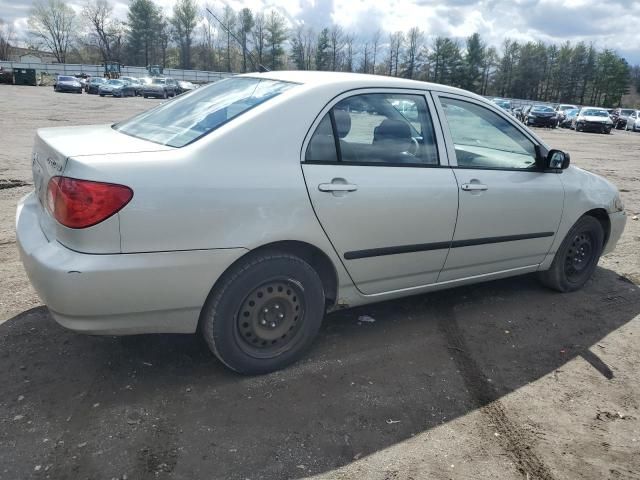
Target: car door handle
[
  {"x": 473, "y": 187},
  {"x": 337, "y": 187}
]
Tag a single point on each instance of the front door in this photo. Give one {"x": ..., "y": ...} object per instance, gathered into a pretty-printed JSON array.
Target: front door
[
  {"x": 382, "y": 189},
  {"x": 510, "y": 209}
]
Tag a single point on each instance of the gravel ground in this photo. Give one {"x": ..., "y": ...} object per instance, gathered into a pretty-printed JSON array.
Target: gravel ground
[{"x": 500, "y": 380}]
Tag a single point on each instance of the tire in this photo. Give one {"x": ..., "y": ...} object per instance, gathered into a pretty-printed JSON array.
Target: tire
[
  {"x": 144, "y": 96},
  {"x": 234, "y": 318},
  {"x": 164, "y": 94},
  {"x": 102, "y": 94},
  {"x": 577, "y": 257}
]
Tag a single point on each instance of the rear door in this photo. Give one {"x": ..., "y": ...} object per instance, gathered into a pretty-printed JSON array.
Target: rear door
[
  {"x": 509, "y": 209},
  {"x": 378, "y": 179}
]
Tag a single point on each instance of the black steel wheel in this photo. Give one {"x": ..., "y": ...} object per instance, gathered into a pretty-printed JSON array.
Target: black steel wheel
[
  {"x": 577, "y": 257},
  {"x": 268, "y": 320},
  {"x": 263, "y": 313}
]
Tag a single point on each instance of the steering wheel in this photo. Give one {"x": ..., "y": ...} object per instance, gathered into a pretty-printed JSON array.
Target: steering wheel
[{"x": 415, "y": 147}]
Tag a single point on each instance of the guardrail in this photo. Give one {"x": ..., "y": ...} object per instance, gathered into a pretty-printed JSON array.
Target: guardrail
[{"x": 98, "y": 70}]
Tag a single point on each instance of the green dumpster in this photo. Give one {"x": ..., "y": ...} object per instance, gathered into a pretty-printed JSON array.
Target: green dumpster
[{"x": 24, "y": 76}]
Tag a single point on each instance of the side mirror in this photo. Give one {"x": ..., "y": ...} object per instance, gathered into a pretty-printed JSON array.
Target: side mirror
[{"x": 557, "y": 160}]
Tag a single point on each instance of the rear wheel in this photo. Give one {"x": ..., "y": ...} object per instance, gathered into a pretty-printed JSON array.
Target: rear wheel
[
  {"x": 164, "y": 94},
  {"x": 577, "y": 257},
  {"x": 264, "y": 313}
]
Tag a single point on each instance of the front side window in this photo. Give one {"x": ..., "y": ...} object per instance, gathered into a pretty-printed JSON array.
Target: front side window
[
  {"x": 184, "y": 120},
  {"x": 376, "y": 128},
  {"x": 483, "y": 139}
]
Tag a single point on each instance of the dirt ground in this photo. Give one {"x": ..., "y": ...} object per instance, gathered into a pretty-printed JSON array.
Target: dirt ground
[{"x": 500, "y": 380}]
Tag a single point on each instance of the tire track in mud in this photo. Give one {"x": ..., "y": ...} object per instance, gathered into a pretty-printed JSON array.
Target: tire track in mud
[{"x": 511, "y": 437}]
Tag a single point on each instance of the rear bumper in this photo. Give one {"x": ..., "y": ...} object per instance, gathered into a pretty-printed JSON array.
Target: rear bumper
[
  {"x": 118, "y": 294},
  {"x": 618, "y": 220}
]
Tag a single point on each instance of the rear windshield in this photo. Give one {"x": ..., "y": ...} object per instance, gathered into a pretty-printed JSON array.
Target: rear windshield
[{"x": 189, "y": 117}]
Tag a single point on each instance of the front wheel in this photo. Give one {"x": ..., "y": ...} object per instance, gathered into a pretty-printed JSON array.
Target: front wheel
[
  {"x": 577, "y": 257},
  {"x": 264, "y": 313}
]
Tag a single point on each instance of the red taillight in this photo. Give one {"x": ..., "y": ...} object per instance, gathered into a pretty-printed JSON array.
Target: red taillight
[{"x": 83, "y": 203}]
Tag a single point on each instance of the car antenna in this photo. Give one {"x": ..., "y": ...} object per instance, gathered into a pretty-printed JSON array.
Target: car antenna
[{"x": 261, "y": 68}]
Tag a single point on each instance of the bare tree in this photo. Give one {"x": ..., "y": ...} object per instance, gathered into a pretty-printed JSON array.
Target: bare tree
[
  {"x": 7, "y": 34},
  {"x": 350, "y": 52},
  {"x": 376, "y": 44},
  {"x": 336, "y": 42},
  {"x": 104, "y": 30},
  {"x": 414, "y": 39},
  {"x": 395, "y": 45},
  {"x": 259, "y": 36},
  {"x": 53, "y": 24}
]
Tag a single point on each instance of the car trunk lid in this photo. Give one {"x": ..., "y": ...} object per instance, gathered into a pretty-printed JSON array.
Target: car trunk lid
[{"x": 53, "y": 149}]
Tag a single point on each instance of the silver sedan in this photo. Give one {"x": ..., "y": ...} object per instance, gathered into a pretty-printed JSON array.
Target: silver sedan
[
  {"x": 247, "y": 209},
  {"x": 633, "y": 122}
]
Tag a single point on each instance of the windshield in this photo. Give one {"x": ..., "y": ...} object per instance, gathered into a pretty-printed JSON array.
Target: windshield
[
  {"x": 67, "y": 79},
  {"x": 572, "y": 112},
  {"x": 592, "y": 112},
  {"x": 158, "y": 80},
  {"x": 184, "y": 120},
  {"x": 115, "y": 82},
  {"x": 542, "y": 108},
  {"x": 562, "y": 108},
  {"x": 626, "y": 112},
  {"x": 503, "y": 103}
]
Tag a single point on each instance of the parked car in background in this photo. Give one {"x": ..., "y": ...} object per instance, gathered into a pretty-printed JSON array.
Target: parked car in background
[
  {"x": 137, "y": 85},
  {"x": 567, "y": 119},
  {"x": 503, "y": 103},
  {"x": 67, "y": 84},
  {"x": 184, "y": 87},
  {"x": 562, "y": 108},
  {"x": 620, "y": 116},
  {"x": 117, "y": 88},
  {"x": 593, "y": 119},
  {"x": 160, "y": 88},
  {"x": 633, "y": 122},
  {"x": 541, "y": 116},
  {"x": 207, "y": 240},
  {"x": 517, "y": 112},
  {"x": 93, "y": 85}
]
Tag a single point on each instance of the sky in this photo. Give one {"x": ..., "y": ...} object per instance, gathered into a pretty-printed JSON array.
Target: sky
[{"x": 606, "y": 23}]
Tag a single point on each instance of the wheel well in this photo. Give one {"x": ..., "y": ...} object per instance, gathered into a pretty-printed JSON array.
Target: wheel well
[
  {"x": 600, "y": 214},
  {"x": 314, "y": 257}
]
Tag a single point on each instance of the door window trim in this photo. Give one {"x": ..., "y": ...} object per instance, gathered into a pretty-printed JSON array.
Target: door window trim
[
  {"x": 453, "y": 160},
  {"x": 441, "y": 147}
]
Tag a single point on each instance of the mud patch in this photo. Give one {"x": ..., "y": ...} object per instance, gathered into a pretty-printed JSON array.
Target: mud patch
[{"x": 11, "y": 183}]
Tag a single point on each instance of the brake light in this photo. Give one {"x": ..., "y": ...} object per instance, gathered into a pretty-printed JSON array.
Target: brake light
[{"x": 84, "y": 203}]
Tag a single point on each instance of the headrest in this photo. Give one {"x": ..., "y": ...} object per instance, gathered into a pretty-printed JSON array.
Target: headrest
[{"x": 391, "y": 130}]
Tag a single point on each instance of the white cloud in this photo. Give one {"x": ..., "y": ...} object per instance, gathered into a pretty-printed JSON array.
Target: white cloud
[{"x": 609, "y": 24}]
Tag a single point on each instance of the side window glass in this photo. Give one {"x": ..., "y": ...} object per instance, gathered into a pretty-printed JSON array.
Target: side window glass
[
  {"x": 483, "y": 139},
  {"x": 385, "y": 128},
  {"x": 322, "y": 147}
]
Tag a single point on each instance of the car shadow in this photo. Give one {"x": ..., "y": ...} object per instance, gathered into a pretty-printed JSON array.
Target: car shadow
[{"x": 161, "y": 406}]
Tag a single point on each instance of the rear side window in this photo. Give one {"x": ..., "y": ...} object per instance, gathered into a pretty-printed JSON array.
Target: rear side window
[
  {"x": 187, "y": 118},
  {"x": 376, "y": 129}
]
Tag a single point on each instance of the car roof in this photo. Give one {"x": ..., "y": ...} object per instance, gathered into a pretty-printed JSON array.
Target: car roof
[{"x": 356, "y": 80}]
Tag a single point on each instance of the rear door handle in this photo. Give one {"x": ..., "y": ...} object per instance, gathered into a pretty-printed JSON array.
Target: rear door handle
[
  {"x": 337, "y": 187},
  {"x": 473, "y": 187}
]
